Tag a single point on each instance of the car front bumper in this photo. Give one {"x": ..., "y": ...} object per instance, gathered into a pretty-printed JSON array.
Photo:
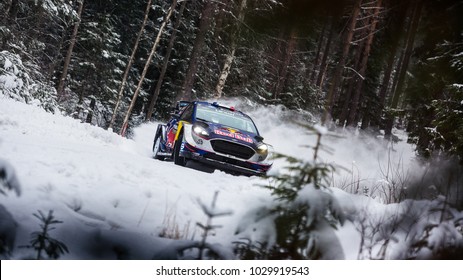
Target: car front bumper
[{"x": 223, "y": 162}]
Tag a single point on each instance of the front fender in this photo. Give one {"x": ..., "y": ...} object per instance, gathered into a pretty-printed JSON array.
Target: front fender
[
  {"x": 186, "y": 126},
  {"x": 188, "y": 133}
]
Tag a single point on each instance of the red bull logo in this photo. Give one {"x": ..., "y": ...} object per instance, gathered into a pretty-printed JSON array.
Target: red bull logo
[{"x": 233, "y": 134}]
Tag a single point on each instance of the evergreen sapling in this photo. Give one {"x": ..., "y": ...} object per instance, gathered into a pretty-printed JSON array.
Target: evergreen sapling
[{"x": 302, "y": 218}]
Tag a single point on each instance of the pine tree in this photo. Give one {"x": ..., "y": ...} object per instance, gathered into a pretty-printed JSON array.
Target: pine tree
[
  {"x": 305, "y": 213},
  {"x": 95, "y": 67},
  {"x": 42, "y": 242}
]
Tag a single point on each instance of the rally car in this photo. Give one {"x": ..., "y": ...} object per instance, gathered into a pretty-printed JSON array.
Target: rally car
[{"x": 215, "y": 135}]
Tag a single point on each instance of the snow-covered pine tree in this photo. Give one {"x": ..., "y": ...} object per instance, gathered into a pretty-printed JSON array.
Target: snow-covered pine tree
[
  {"x": 301, "y": 222},
  {"x": 437, "y": 125},
  {"x": 25, "y": 83},
  {"x": 96, "y": 67}
]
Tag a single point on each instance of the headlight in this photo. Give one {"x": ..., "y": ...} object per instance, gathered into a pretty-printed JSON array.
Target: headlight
[
  {"x": 262, "y": 149},
  {"x": 199, "y": 130}
]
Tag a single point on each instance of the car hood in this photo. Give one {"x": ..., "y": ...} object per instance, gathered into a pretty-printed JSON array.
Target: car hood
[{"x": 218, "y": 131}]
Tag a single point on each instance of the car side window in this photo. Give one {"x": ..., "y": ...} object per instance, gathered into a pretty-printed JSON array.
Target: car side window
[{"x": 187, "y": 114}]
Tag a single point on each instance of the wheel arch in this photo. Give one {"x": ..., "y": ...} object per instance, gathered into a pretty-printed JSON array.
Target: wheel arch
[{"x": 162, "y": 128}]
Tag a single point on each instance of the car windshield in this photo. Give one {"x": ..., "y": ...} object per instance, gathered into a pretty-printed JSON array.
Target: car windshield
[{"x": 225, "y": 117}]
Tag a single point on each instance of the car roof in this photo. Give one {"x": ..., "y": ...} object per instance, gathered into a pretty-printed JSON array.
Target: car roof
[{"x": 217, "y": 105}]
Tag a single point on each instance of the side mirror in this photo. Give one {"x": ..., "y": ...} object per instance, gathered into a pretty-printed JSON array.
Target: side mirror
[
  {"x": 259, "y": 138},
  {"x": 175, "y": 115}
]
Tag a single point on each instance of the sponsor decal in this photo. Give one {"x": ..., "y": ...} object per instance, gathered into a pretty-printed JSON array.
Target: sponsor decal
[{"x": 233, "y": 134}]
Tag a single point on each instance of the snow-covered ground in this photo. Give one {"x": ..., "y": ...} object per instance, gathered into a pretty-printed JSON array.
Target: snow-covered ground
[{"x": 110, "y": 193}]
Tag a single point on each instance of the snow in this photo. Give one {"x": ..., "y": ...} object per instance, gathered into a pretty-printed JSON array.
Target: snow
[
  {"x": 322, "y": 130},
  {"x": 110, "y": 193},
  {"x": 7, "y": 64}
]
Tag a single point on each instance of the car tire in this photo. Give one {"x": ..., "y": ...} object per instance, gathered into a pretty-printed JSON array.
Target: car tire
[
  {"x": 178, "y": 159},
  {"x": 157, "y": 145}
]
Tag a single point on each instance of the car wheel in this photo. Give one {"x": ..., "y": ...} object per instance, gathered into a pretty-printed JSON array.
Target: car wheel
[
  {"x": 178, "y": 159},
  {"x": 157, "y": 146}
]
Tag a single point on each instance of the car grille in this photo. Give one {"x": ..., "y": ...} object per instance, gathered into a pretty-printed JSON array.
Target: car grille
[{"x": 233, "y": 149}]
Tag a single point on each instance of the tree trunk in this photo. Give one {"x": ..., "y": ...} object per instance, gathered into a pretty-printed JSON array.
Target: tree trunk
[
  {"x": 231, "y": 55},
  {"x": 392, "y": 57},
  {"x": 387, "y": 75},
  {"x": 145, "y": 69},
  {"x": 352, "y": 82},
  {"x": 385, "y": 83},
  {"x": 326, "y": 51},
  {"x": 204, "y": 24},
  {"x": 283, "y": 70},
  {"x": 363, "y": 65},
  {"x": 12, "y": 11},
  {"x": 155, "y": 96},
  {"x": 316, "y": 63},
  {"x": 342, "y": 61},
  {"x": 225, "y": 71},
  {"x": 129, "y": 65},
  {"x": 67, "y": 60},
  {"x": 353, "y": 76},
  {"x": 57, "y": 58},
  {"x": 407, "y": 54},
  {"x": 275, "y": 57},
  {"x": 81, "y": 92},
  {"x": 39, "y": 19},
  {"x": 404, "y": 66},
  {"x": 221, "y": 16},
  {"x": 90, "y": 111}
]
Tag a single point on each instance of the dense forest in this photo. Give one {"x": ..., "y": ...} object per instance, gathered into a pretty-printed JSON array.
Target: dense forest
[{"x": 367, "y": 64}]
